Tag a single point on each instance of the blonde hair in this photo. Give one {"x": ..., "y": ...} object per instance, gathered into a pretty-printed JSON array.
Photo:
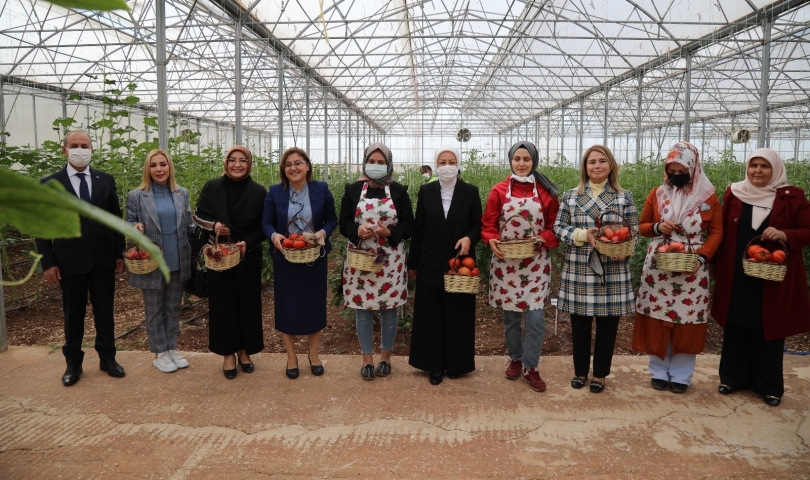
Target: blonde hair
[
  {"x": 146, "y": 183},
  {"x": 237, "y": 148},
  {"x": 613, "y": 176}
]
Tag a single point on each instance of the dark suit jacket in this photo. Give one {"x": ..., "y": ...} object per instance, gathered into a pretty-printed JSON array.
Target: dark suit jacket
[
  {"x": 434, "y": 236},
  {"x": 277, "y": 203},
  {"x": 402, "y": 202},
  {"x": 99, "y": 246}
]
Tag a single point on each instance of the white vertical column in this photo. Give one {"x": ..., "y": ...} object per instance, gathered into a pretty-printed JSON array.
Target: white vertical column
[
  {"x": 688, "y": 99},
  {"x": 762, "y": 138},
  {"x": 160, "y": 60}
]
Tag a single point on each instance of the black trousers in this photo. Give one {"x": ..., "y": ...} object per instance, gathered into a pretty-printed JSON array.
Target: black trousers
[
  {"x": 443, "y": 336},
  {"x": 606, "y": 328},
  {"x": 748, "y": 360},
  {"x": 235, "y": 309},
  {"x": 101, "y": 286}
]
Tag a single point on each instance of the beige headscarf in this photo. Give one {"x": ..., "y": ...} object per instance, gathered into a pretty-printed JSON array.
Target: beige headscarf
[{"x": 761, "y": 197}]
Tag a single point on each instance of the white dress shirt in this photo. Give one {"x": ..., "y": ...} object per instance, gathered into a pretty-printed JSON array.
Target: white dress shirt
[{"x": 75, "y": 180}]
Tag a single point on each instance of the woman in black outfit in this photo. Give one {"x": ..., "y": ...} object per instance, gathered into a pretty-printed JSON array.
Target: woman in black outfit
[
  {"x": 231, "y": 206},
  {"x": 448, "y": 221}
]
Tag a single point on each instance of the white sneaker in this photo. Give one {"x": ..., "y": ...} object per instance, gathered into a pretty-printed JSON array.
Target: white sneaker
[
  {"x": 178, "y": 359},
  {"x": 164, "y": 363}
]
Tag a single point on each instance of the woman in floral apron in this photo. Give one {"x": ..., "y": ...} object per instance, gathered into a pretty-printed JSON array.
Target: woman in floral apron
[
  {"x": 673, "y": 307},
  {"x": 376, "y": 214},
  {"x": 523, "y": 205}
]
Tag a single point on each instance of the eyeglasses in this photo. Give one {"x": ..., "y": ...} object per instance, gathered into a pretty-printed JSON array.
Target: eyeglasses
[
  {"x": 297, "y": 164},
  {"x": 237, "y": 160}
]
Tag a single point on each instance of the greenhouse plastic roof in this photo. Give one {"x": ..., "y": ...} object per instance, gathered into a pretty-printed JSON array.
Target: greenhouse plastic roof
[{"x": 420, "y": 66}]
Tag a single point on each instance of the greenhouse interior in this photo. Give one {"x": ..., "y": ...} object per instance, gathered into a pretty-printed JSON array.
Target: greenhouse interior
[{"x": 331, "y": 77}]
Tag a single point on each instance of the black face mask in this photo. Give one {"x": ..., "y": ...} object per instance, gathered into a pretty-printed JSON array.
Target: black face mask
[{"x": 679, "y": 180}]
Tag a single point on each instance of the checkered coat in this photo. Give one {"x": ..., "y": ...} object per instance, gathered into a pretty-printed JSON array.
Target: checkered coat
[{"x": 582, "y": 292}]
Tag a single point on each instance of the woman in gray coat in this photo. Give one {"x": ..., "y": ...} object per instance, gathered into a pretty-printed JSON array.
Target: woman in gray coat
[{"x": 160, "y": 209}]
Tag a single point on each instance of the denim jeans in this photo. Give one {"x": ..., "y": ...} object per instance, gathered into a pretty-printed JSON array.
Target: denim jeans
[
  {"x": 525, "y": 348},
  {"x": 365, "y": 329}
]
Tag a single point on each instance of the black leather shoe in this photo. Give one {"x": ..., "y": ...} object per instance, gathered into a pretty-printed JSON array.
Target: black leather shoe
[
  {"x": 436, "y": 378},
  {"x": 596, "y": 386},
  {"x": 71, "y": 375},
  {"x": 453, "y": 376},
  {"x": 292, "y": 373},
  {"x": 112, "y": 368},
  {"x": 316, "y": 370},
  {"x": 773, "y": 401},
  {"x": 383, "y": 369},
  {"x": 725, "y": 389},
  {"x": 229, "y": 374},
  {"x": 245, "y": 367},
  {"x": 367, "y": 372},
  {"x": 659, "y": 384},
  {"x": 676, "y": 387},
  {"x": 578, "y": 382}
]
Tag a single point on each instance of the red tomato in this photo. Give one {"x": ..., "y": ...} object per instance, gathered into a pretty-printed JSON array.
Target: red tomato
[
  {"x": 287, "y": 243},
  {"x": 468, "y": 262},
  {"x": 676, "y": 247},
  {"x": 475, "y": 272},
  {"x": 604, "y": 239},
  {"x": 454, "y": 263},
  {"x": 608, "y": 232},
  {"x": 664, "y": 248},
  {"x": 464, "y": 271},
  {"x": 778, "y": 256},
  {"x": 299, "y": 244},
  {"x": 133, "y": 255},
  {"x": 762, "y": 255},
  {"x": 753, "y": 249}
]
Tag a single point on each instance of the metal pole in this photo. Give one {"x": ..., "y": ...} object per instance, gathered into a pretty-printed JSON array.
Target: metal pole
[
  {"x": 638, "y": 119},
  {"x": 548, "y": 138},
  {"x": 581, "y": 129},
  {"x": 238, "y": 82},
  {"x": 340, "y": 134},
  {"x": 280, "y": 104},
  {"x": 34, "y": 118},
  {"x": 703, "y": 140},
  {"x": 325, "y": 136},
  {"x": 306, "y": 96},
  {"x": 64, "y": 112},
  {"x": 762, "y": 138},
  {"x": 605, "y": 134},
  {"x": 160, "y": 60},
  {"x": 562, "y": 134},
  {"x": 2, "y": 123},
  {"x": 349, "y": 143},
  {"x": 796, "y": 147},
  {"x": 687, "y": 126}
]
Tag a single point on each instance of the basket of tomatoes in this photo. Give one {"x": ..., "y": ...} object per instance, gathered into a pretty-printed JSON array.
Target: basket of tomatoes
[
  {"x": 614, "y": 239},
  {"x": 365, "y": 259},
  {"x": 221, "y": 256},
  {"x": 763, "y": 263},
  {"x": 297, "y": 249},
  {"x": 463, "y": 276},
  {"x": 675, "y": 257},
  {"x": 517, "y": 248},
  {"x": 139, "y": 261}
]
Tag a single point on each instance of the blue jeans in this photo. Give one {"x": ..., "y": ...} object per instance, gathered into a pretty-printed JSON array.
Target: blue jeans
[
  {"x": 673, "y": 368},
  {"x": 525, "y": 348},
  {"x": 365, "y": 329}
]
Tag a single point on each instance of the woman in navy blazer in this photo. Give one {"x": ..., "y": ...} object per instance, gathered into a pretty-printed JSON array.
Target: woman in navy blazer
[{"x": 299, "y": 289}]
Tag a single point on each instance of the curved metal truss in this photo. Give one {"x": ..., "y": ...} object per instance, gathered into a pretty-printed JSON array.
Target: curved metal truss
[{"x": 413, "y": 68}]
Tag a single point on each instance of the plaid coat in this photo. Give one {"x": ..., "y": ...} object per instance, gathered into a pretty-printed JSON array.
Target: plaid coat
[{"x": 582, "y": 292}]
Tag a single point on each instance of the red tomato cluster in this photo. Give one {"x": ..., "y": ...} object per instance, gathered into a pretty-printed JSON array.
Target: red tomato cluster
[
  {"x": 674, "y": 247},
  {"x": 463, "y": 266},
  {"x": 138, "y": 255},
  {"x": 758, "y": 253},
  {"x": 295, "y": 240},
  {"x": 615, "y": 236}
]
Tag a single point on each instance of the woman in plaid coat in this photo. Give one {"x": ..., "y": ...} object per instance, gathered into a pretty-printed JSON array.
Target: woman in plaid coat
[{"x": 584, "y": 293}]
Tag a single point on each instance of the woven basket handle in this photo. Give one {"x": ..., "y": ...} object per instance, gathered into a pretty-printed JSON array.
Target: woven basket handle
[
  {"x": 311, "y": 229},
  {"x": 506, "y": 222},
  {"x": 600, "y": 221},
  {"x": 759, "y": 238}
]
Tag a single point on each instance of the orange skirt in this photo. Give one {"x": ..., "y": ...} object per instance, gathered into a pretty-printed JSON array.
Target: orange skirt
[{"x": 652, "y": 336}]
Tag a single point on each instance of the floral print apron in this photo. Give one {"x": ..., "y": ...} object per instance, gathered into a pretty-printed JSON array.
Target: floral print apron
[
  {"x": 387, "y": 288},
  {"x": 520, "y": 285},
  {"x": 677, "y": 297}
]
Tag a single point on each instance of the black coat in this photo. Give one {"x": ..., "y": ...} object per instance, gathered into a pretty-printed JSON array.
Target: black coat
[
  {"x": 99, "y": 246},
  {"x": 402, "y": 202},
  {"x": 434, "y": 237}
]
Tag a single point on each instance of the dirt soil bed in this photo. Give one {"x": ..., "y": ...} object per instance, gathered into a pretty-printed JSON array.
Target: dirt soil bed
[{"x": 31, "y": 322}]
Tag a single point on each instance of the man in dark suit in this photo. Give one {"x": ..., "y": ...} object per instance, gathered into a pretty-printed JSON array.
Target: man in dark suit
[{"x": 88, "y": 263}]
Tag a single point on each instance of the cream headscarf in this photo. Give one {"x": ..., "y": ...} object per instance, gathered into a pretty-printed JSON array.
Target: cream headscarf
[
  {"x": 675, "y": 203},
  {"x": 761, "y": 197}
]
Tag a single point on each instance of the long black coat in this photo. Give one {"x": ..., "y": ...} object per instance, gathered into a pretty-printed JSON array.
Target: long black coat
[{"x": 434, "y": 237}]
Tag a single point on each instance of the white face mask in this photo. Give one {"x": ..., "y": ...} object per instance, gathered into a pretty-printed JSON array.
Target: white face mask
[
  {"x": 426, "y": 176},
  {"x": 376, "y": 172},
  {"x": 79, "y": 157},
  {"x": 447, "y": 173}
]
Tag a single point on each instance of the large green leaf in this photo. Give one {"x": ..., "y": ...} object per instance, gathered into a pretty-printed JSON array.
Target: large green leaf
[
  {"x": 98, "y": 5},
  {"x": 48, "y": 211}
]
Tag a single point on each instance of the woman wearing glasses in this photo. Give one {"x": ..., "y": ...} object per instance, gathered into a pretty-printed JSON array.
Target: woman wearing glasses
[
  {"x": 299, "y": 204},
  {"x": 231, "y": 207}
]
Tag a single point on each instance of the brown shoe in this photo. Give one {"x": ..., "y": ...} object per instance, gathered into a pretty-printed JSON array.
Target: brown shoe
[
  {"x": 514, "y": 369},
  {"x": 532, "y": 377}
]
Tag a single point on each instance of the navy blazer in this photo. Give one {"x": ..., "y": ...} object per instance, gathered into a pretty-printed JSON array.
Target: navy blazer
[{"x": 277, "y": 202}]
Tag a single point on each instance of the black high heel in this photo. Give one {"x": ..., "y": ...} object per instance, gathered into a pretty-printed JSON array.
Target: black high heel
[
  {"x": 246, "y": 367},
  {"x": 317, "y": 370},
  {"x": 292, "y": 373},
  {"x": 230, "y": 374}
]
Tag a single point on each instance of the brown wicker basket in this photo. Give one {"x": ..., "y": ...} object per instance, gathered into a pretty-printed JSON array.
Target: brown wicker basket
[
  {"x": 454, "y": 282},
  {"x": 765, "y": 270},
  {"x": 302, "y": 255},
  {"x": 616, "y": 250},
  {"x": 363, "y": 259},
  {"x": 221, "y": 256},
  {"x": 676, "y": 261},
  {"x": 517, "y": 248},
  {"x": 140, "y": 266}
]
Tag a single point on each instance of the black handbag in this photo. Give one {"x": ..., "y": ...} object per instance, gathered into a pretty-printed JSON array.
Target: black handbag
[{"x": 197, "y": 284}]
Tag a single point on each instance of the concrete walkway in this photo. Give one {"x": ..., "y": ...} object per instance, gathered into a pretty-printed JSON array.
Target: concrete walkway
[{"x": 196, "y": 424}]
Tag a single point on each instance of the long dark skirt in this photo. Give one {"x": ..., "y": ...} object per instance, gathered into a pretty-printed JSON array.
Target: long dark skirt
[
  {"x": 300, "y": 296},
  {"x": 235, "y": 308},
  {"x": 748, "y": 360},
  {"x": 443, "y": 336}
]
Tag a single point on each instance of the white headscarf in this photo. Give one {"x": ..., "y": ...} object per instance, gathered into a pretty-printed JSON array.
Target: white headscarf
[
  {"x": 761, "y": 197},
  {"x": 447, "y": 186},
  {"x": 675, "y": 203}
]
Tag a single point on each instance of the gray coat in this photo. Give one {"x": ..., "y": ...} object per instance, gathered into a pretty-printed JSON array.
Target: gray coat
[{"x": 141, "y": 208}]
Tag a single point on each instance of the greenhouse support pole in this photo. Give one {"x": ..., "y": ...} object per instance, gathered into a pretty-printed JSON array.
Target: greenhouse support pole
[
  {"x": 562, "y": 134},
  {"x": 325, "y": 137},
  {"x": 238, "y": 82},
  {"x": 548, "y": 138},
  {"x": 160, "y": 60},
  {"x": 2, "y": 119},
  {"x": 762, "y": 138},
  {"x": 581, "y": 129},
  {"x": 64, "y": 112},
  {"x": 605, "y": 125},
  {"x": 796, "y": 146},
  {"x": 638, "y": 119},
  {"x": 306, "y": 116},
  {"x": 340, "y": 134},
  {"x": 688, "y": 98},
  {"x": 34, "y": 119},
  {"x": 349, "y": 143},
  {"x": 280, "y": 104}
]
